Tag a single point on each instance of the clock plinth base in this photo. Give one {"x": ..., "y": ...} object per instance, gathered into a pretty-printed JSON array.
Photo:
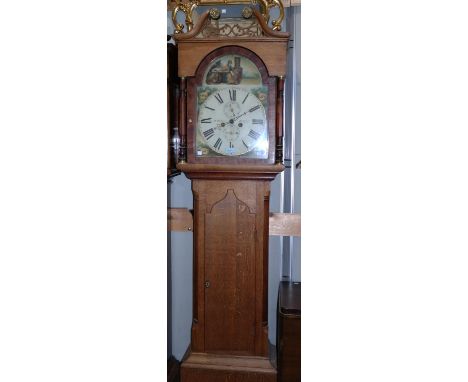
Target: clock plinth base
[{"x": 204, "y": 367}]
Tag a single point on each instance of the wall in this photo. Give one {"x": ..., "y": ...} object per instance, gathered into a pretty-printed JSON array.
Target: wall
[
  {"x": 292, "y": 175},
  {"x": 181, "y": 271}
]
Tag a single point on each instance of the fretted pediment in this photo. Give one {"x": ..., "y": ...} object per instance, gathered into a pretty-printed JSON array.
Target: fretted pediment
[
  {"x": 208, "y": 27},
  {"x": 230, "y": 27},
  {"x": 252, "y": 23}
]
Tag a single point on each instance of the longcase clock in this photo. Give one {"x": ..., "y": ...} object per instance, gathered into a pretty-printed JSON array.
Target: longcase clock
[{"x": 231, "y": 127}]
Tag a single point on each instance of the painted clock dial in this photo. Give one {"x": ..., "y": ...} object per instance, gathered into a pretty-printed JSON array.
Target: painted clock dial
[
  {"x": 232, "y": 110},
  {"x": 232, "y": 121}
]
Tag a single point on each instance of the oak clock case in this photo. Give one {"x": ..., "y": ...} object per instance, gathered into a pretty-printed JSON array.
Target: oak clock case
[{"x": 230, "y": 127}]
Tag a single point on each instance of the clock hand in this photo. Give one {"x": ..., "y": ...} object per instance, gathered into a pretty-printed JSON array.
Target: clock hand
[
  {"x": 240, "y": 115},
  {"x": 232, "y": 111},
  {"x": 248, "y": 111}
]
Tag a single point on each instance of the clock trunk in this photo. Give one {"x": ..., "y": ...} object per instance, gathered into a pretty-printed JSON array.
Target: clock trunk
[{"x": 231, "y": 266}]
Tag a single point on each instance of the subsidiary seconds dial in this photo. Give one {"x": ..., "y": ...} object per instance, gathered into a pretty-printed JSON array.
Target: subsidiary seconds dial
[{"x": 232, "y": 121}]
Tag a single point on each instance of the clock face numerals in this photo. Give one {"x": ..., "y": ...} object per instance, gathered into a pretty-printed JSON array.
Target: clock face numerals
[{"x": 232, "y": 122}]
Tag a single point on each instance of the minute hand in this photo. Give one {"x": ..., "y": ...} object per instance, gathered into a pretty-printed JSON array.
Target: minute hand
[
  {"x": 248, "y": 111},
  {"x": 240, "y": 115}
]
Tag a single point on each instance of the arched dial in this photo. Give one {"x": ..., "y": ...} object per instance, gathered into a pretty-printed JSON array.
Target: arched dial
[{"x": 232, "y": 121}]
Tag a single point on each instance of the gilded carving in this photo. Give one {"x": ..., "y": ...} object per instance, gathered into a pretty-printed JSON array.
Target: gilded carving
[
  {"x": 247, "y": 13},
  {"x": 265, "y": 6},
  {"x": 215, "y": 14},
  {"x": 188, "y": 7}
]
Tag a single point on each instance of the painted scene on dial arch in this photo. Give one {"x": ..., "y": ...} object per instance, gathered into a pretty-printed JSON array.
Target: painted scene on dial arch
[{"x": 233, "y": 70}]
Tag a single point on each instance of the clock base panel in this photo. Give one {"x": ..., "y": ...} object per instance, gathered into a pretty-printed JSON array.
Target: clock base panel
[{"x": 204, "y": 367}]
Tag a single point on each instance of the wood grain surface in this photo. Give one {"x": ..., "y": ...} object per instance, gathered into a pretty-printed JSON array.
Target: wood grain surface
[
  {"x": 230, "y": 272},
  {"x": 230, "y": 263},
  {"x": 281, "y": 224},
  {"x": 192, "y": 54},
  {"x": 201, "y": 367},
  {"x": 289, "y": 332},
  {"x": 179, "y": 219}
]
